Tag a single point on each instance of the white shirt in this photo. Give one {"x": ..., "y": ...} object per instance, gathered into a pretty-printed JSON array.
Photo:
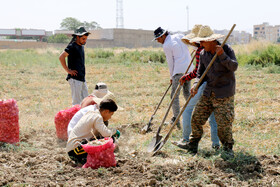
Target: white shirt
[
  {"x": 78, "y": 116},
  {"x": 177, "y": 55},
  {"x": 91, "y": 122}
]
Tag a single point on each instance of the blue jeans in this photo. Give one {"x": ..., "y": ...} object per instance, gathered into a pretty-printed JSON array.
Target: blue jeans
[{"x": 187, "y": 114}]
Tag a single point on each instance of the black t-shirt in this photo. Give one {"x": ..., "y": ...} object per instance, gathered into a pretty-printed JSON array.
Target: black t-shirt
[{"x": 76, "y": 61}]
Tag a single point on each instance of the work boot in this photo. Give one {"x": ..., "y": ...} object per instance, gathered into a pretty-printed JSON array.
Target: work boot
[{"x": 191, "y": 147}]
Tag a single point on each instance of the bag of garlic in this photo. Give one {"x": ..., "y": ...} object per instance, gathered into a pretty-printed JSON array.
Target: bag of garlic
[
  {"x": 100, "y": 153},
  {"x": 62, "y": 119},
  {"x": 9, "y": 126}
]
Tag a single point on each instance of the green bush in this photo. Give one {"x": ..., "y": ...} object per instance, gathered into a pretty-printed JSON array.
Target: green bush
[
  {"x": 142, "y": 56},
  {"x": 265, "y": 57},
  {"x": 100, "y": 53},
  {"x": 59, "y": 38}
]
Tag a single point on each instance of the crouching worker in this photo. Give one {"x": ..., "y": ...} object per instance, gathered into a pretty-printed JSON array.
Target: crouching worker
[{"x": 91, "y": 123}]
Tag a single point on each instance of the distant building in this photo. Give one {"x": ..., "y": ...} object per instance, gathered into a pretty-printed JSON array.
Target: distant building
[
  {"x": 267, "y": 32},
  {"x": 236, "y": 37},
  {"x": 25, "y": 32},
  {"x": 117, "y": 37},
  {"x": 66, "y": 32}
]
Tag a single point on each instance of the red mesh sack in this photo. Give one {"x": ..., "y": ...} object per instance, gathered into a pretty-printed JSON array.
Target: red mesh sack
[
  {"x": 62, "y": 119},
  {"x": 9, "y": 126},
  {"x": 100, "y": 155}
]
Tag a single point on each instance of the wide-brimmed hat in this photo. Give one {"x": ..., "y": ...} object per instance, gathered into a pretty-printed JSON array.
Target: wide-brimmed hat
[
  {"x": 100, "y": 90},
  {"x": 158, "y": 33},
  {"x": 109, "y": 95},
  {"x": 186, "y": 39},
  {"x": 206, "y": 34},
  {"x": 80, "y": 32}
]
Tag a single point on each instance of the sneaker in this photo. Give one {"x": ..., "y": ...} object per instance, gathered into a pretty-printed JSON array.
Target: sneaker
[
  {"x": 181, "y": 143},
  {"x": 216, "y": 147},
  {"x": 170, "y": 122}
]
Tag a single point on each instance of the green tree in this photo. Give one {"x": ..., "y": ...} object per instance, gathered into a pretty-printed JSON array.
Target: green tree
[
  {"x": 70, "y": 23},
  {"x": 58, "y": 38},
  {"x": 91, "y": 25}
]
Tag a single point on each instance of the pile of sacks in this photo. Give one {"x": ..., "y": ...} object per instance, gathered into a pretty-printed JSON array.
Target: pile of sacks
[
  {"x": 62, "y": 119},
  {"x": 9, "y": 126}
]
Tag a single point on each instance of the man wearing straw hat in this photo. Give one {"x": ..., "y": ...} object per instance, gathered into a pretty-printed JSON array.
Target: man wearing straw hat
[
  {"x": 218, "y": 95},
  {"x": 76, "y": 65},
  {"x": 178, "y": 59},
  {"x": 92, "y": 125},
  {"x": 189, "y": 109}
]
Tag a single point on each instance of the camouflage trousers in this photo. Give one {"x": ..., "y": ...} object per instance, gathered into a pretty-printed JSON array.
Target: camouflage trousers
[{"x": 223, "y": 109}]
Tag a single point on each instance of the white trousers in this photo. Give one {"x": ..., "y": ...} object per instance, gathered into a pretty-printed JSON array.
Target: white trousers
[{"x": 79, "y": 90}]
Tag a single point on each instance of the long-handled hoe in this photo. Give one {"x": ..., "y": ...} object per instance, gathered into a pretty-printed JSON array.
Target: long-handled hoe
[
  {"x": 147, "y": 127},
  {"x": 159, "y": 144},
  {"x": 157, "y": 138}
]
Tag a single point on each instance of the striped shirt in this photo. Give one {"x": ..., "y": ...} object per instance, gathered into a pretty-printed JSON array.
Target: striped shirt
[{"x": 192, "y": 75}]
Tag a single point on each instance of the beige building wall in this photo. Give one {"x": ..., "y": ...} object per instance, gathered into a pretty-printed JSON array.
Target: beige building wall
[
  {"x": 128, "y": 38},
  {"x": 267, "y": 32},
  {"x": 22, "y": 44}
]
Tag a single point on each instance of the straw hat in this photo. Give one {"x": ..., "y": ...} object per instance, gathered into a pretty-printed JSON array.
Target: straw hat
[
  {"x": 100, "y": 90},
  {"x": 186, "y": 39},
  {"x": 206, "y": 34}
]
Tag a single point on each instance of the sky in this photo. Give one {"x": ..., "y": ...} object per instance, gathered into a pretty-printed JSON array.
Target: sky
[{"x": 141, "y": 14}]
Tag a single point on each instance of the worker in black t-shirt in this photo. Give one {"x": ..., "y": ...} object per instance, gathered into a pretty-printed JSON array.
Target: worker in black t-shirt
[{"x": 76, "y": 65}]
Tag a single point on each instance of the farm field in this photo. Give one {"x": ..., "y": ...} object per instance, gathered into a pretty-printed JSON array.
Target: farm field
[{"x": 36, "y": 80}]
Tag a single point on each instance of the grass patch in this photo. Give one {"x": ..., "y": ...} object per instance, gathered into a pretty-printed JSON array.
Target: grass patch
[{"x": 263, "y": 54}]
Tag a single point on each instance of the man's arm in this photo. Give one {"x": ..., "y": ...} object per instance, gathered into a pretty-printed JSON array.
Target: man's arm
[
  {"x": 170, "y": 60},
  {"x": 62, "y": 60},
  {"x": 102, "y": 129},
  {"x": 227, "y": 59},
  {"x": 87, "y": 101}
]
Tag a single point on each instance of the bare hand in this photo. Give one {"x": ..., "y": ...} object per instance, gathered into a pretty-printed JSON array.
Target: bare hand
[
  {"x": 182, "y": 81},
  {"x": 170, "y": 81},
  {"x": 72, "y": 72},
  {"x": 219, "y": 50},
  {"x": 193, "y": 91}
]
